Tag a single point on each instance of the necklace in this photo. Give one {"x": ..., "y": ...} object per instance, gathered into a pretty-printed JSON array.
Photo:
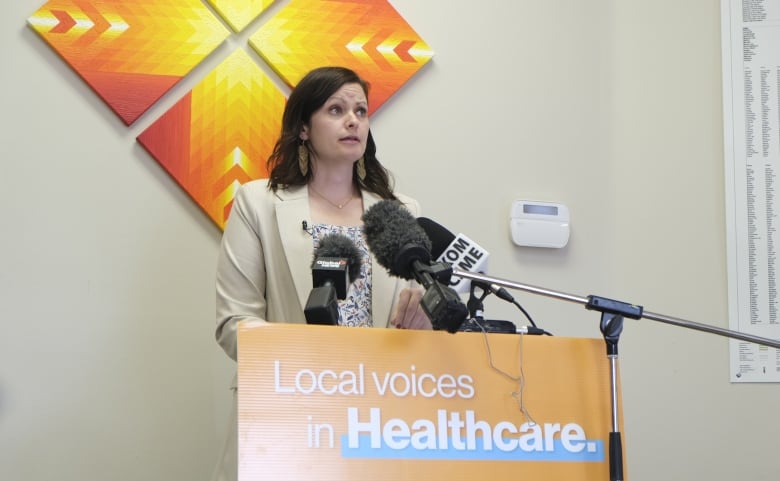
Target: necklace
[{"x": 338, "y": 206}]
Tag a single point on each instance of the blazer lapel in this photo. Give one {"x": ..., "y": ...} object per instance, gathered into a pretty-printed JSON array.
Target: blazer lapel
[{"x": 292, "y": 208}]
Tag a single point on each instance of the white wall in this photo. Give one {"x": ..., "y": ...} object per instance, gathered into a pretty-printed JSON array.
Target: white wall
[{"x": 108, "y": 369}]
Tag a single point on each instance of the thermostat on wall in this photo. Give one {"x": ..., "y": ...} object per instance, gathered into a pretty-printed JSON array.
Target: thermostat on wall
[{"x": 539, "y": 224}]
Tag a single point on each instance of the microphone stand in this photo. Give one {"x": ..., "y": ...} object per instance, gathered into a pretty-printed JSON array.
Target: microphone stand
[
  {"x": 625, "y": 309},
  {"x": 612, "y": 314}
]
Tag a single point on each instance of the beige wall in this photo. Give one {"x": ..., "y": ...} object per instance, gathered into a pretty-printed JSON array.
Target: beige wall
[{"x": 108, "y": 367}]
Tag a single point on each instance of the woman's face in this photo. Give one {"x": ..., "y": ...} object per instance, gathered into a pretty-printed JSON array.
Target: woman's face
[{"x": 337, "y": 131}]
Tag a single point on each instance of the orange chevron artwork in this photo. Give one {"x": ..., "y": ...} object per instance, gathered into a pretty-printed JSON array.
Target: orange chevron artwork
[
  {"x": 369, "y": 37},
  {"x": 219, "y": 135},
  {"x": 130, "y": 52}
]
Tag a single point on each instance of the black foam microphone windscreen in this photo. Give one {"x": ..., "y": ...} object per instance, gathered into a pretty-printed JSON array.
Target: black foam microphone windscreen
[
  {"x": 395, "y": 238},
  {"x": 439, "y": 235},
  {"x": 341, "y": 247}
]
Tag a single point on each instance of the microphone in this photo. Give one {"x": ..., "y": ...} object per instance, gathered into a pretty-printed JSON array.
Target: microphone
[
  {"x": 336, "y": 263},
  {"x": 461, "y": 252},
  {"x": 467, "y": 255},
  {"x": 401, "y": 246}
]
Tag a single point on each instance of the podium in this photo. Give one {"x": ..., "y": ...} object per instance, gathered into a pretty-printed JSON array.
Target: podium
[{"x": 329, "y": 403}]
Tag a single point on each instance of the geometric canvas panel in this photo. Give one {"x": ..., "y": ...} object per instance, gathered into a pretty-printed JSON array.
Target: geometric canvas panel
[
  {"x": 369, "y": 37},
  {"x": 130, "y": 52},
  {"x": 220, "y": 134},
  {"x": 239, "y": 13}
]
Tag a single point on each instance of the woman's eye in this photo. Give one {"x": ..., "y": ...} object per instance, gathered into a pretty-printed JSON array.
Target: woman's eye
[{"x": 335, "y": 109}]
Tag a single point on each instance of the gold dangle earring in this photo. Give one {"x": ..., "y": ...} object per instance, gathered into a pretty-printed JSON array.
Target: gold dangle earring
[
  {"x": 303, "y": 158},
  {"x": 361, "y": 168}
]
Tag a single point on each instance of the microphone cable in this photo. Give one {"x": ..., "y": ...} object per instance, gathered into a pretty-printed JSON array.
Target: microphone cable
[{"x": 517, "y": 394}]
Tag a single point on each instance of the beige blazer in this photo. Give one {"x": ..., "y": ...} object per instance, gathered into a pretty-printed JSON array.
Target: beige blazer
[{"x": 264, "y": 264}]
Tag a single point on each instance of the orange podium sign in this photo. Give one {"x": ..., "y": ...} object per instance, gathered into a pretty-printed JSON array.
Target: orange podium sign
[{"x": 328, "y": 403}]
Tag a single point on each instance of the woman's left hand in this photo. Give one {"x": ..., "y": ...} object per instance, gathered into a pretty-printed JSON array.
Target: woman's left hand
[{"x": 408, "y": 312}]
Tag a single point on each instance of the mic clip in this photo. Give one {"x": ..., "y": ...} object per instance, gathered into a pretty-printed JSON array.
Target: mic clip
[
  {"x": 305, "y": 227},
  {"x": 475, "y": 303}
]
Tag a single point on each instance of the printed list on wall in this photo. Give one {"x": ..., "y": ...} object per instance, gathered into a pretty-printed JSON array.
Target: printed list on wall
[{"x": 751, "y": 114}]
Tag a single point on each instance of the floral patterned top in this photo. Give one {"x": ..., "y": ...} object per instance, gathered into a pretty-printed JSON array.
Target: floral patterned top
[{"x": 355, "y": 310}]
